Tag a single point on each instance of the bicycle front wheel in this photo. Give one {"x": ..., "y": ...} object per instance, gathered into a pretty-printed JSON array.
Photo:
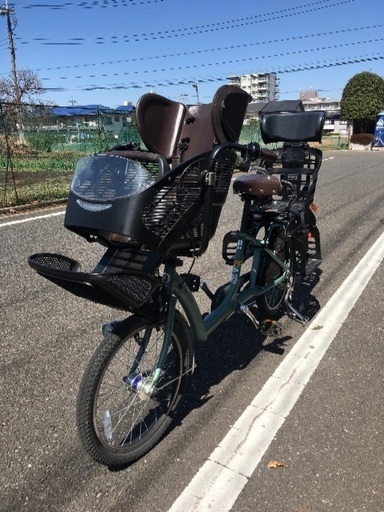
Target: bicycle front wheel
[{"x": 119, "y": 416}]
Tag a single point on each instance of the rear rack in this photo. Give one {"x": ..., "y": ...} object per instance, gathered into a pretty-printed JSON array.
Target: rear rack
[{"x": 297, "y": 167}]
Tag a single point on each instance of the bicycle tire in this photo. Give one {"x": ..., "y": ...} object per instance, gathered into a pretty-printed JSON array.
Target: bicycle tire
[
  {"x": 271, "y": 304},
  {"x": 117, "y": 421}
]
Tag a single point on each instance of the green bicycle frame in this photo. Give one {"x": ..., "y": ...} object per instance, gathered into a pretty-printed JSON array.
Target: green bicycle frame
[{"x": 201, "y": 328}]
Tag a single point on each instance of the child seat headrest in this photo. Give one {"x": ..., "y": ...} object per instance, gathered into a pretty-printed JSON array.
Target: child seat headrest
[
  {"x": 304, "y": 126},
  {"x": 229, "y": 106},
  {"x": 159, "y": 121},
  {"x": 178, "y": 132}
]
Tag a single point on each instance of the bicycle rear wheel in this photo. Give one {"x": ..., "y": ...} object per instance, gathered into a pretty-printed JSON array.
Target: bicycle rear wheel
[
  {"x": 271, "y": 304},
  {"x": 119, "y": 417}
]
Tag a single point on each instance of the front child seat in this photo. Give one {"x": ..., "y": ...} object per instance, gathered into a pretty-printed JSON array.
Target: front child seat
[
  {"x": 159, "y": 121},
  {"x": 120, "y": 199},
  {"x": 178, "y": 132}
]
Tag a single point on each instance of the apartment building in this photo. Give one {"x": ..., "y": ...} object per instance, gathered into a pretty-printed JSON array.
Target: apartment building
[{"x": 263, "y": 87}]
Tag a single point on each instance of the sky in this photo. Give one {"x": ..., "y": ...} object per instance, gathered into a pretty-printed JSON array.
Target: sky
[{"x": 107, "y": 52}]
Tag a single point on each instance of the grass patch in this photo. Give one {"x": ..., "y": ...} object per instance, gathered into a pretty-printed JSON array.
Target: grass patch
[{"x": 29, "y": 177}]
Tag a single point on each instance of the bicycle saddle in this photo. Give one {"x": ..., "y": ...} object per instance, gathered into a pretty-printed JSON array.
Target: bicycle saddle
[{"x": 255, "y": 186}]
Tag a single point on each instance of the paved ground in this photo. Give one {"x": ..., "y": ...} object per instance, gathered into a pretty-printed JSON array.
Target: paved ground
[{"x": 332, "y": 442}]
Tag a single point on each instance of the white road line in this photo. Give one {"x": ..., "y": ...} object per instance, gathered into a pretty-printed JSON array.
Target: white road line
[
  {"x": 30, "y": 219},
  {"x": 221, "y": 479}
]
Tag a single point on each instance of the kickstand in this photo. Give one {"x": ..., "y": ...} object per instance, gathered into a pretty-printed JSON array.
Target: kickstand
[
  {"x": 246, "y": 310},
  {"x": 294, "y": 314}
]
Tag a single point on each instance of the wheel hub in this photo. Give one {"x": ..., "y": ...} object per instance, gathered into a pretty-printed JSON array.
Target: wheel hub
[{"x": 140, "y": 384}]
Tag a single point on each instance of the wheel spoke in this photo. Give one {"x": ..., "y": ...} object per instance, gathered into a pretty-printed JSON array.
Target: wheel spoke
[
  {"x": 120, "y": 416},
  {"x": 272, "y": 303}
]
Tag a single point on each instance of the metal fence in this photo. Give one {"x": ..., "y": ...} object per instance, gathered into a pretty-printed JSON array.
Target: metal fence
[
  {"x": 38, "y": 152},
  {"x": 37, "y": 157}
]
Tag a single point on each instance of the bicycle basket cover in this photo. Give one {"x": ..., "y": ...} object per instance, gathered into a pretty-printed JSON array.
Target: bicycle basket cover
[{"x": 105, "y": 177}]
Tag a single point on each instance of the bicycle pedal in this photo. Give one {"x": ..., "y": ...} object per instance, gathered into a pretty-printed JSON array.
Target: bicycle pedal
[
  {"x": 271, "y": 328},
  {"x": 229, "y": 247}
]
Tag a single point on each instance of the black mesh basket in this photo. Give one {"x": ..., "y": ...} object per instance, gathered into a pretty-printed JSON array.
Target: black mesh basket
[{"x": 168, "y": 217}]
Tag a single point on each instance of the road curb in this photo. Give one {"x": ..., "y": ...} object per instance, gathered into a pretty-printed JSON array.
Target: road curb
[{"x": 13, "y": 210}]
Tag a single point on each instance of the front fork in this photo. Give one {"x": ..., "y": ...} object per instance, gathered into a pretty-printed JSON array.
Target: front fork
[
  {"x": 144, "y": 385},
  {"x": 171, "y": 300},
  {"x": 170, "y": 318}
]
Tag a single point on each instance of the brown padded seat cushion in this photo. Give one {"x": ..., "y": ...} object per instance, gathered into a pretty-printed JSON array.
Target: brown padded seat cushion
[{"x": 257, "y": 185}]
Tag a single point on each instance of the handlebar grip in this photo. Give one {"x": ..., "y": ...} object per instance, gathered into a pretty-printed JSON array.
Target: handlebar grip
[
  {"x": 252, "y": 152},
  {"x": 255, "y": 151},
  {"x": 267, "y": 154}
]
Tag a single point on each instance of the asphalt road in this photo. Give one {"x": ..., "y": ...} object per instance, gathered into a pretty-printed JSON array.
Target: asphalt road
[{"x": 332, "y": 441}]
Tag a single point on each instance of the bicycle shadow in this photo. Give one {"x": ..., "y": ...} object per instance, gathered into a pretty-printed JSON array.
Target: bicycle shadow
[
  {"x": 235, "y": 344},
  {"x": 303, "y": 299},
  {"x": 232, "y": 347}
]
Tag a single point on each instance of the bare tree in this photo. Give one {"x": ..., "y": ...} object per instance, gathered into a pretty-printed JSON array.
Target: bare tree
[
  {"x": 19, "y": 104},
  {"x": 30, "y": 87}
]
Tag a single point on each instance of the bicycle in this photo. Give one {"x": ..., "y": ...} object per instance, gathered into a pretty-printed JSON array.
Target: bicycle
[{"x": 134, "y": 382}]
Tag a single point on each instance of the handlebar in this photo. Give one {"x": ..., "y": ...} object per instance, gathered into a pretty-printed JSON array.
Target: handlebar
[
  {"x": 255, "y": 151},
  {"x": 249, "y": 153}
]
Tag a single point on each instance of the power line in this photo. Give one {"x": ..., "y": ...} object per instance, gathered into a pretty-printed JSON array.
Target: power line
[
  {"x": 176, "y": 32},
  {"x": 209, "y": 50},
  {"x": 182, "y": 32},
  {"x": 227, "y": 61},
  {"x": 103, "y": 4},
  {"x": 214, "y": 79}
]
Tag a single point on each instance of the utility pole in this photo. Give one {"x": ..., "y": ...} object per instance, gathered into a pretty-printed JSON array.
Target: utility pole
[
  {"x": 7, "y": 11},
  {"x": 196, "y": 87}
]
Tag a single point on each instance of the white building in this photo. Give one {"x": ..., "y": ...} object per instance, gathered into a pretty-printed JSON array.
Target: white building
[
  {"x": 263, "y": 87},
  {"x": 333, "y": 123}
]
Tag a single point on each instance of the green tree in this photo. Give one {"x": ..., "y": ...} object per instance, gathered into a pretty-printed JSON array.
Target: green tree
[{"x": 362, "y": 100}]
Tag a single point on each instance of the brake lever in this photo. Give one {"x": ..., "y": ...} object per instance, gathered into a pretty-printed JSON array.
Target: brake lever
[{"x": 244, "y": 166}]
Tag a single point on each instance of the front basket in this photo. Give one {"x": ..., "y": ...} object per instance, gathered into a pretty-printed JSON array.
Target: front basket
[{"x": 167, "y": 217}]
